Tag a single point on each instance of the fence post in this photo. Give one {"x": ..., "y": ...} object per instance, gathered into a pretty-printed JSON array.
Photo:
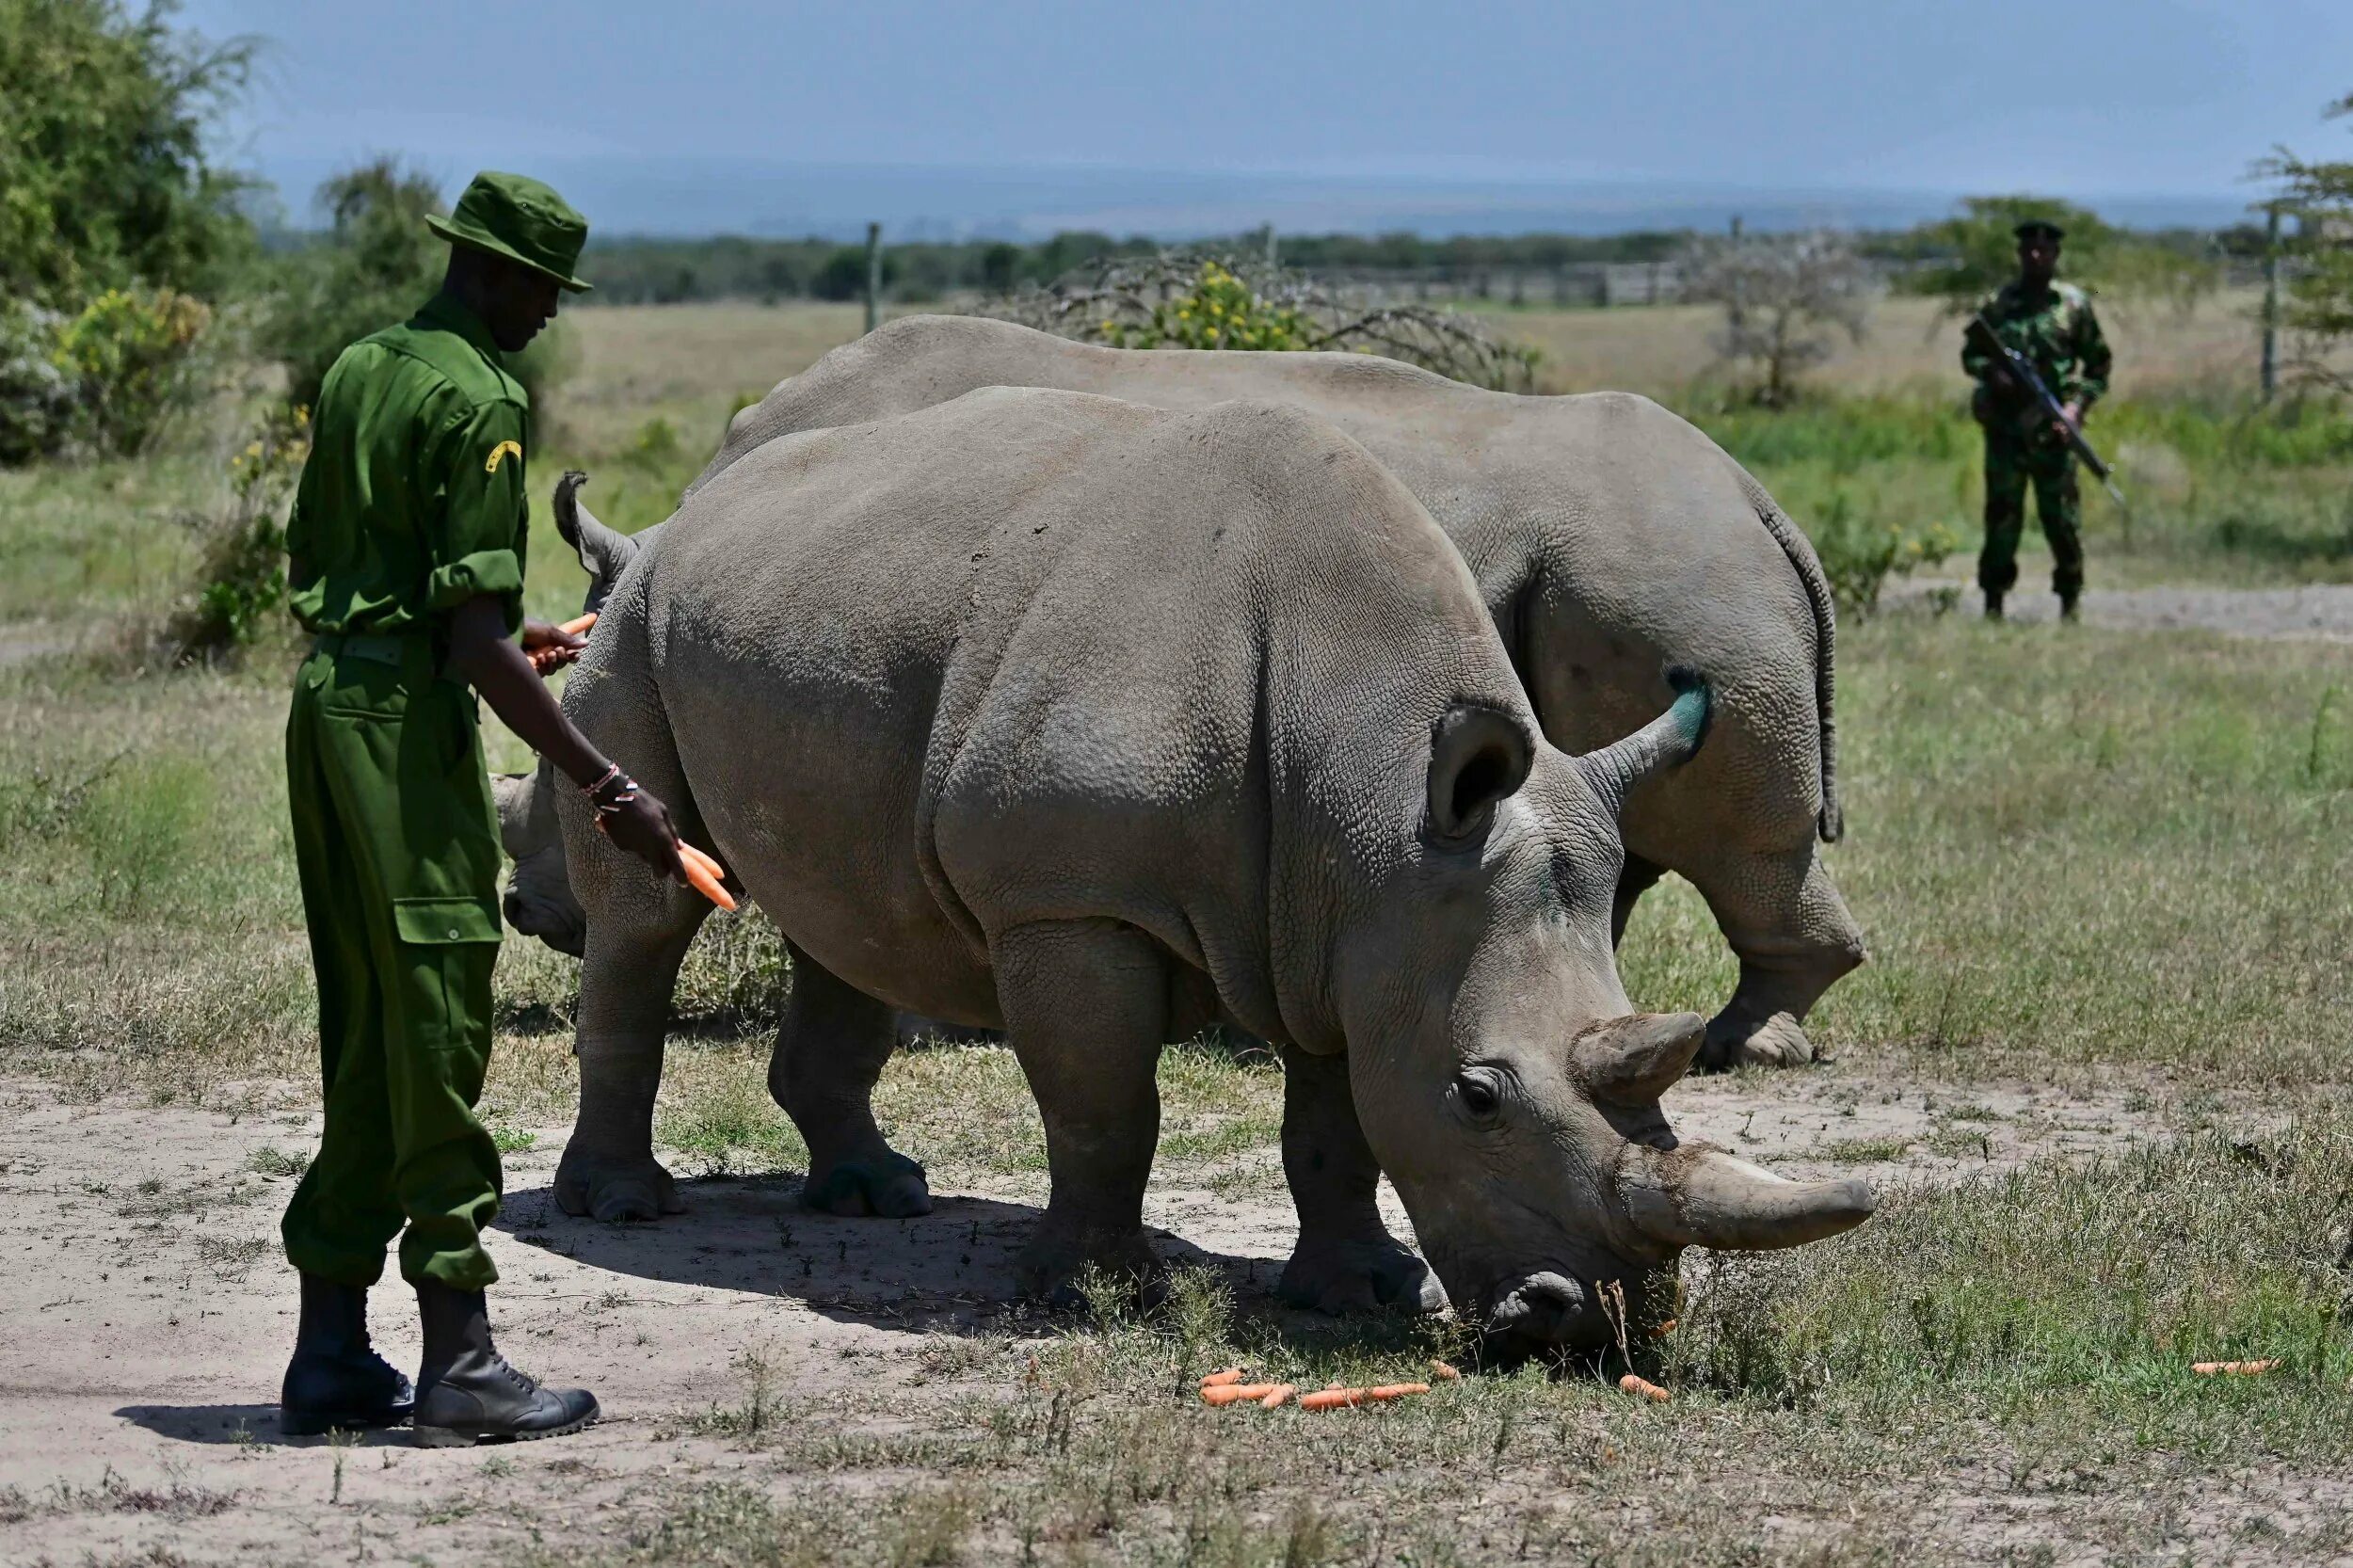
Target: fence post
[
  {"x": 2271, "y": 301},
  {"x": 873, "y": 275}
]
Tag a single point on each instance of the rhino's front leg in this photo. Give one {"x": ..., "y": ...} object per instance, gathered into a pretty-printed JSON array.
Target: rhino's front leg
[
  {"x": 1086, "y": 1011},
  {"x": 1783, "y": 915},
  {"x": 608, "y": 1170},
  {"x": 1346, "y": 1259},
  {"x": 830, "y": 1050}
]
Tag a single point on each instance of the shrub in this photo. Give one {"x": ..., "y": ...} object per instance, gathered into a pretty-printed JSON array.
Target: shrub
[
  {"x": 133, "y": 358},
  {"x": 242, "y": 579},
  {"x": 1858, "y": 557},
  {"x": 38, "y": 399},
  {"x": 1222, "y": 312}
]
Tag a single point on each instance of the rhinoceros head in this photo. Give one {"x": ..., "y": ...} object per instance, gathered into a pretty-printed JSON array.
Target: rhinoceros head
[
  {"x": 1503, "y": 1081},
  {"x": 539, "y": 901}
]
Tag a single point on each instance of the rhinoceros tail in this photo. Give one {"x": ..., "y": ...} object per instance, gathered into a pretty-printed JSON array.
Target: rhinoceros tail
[{"x": 1832, "y": 822}]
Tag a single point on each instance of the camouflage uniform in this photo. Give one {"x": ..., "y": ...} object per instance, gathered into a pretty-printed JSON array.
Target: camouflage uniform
[{"x": 2061, "y": 337}]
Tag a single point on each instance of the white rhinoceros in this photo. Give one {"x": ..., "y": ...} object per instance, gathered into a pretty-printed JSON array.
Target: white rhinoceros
[
  {"x": 1097, "y": 722},
  {"x": 1609, "y": 538}
]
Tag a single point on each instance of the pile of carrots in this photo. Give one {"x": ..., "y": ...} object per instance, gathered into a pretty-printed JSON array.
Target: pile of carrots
[{"x": 1228, "y": 1387}]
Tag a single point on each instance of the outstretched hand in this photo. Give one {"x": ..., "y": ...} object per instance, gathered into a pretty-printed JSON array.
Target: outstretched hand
[
  {"x": 550, "y": 648},
  {"x": 642, "y": 826}
]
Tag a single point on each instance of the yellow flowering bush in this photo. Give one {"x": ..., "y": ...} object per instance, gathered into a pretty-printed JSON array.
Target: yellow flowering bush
[
  {"x": 133, "y": 355},
  {"x": 1222, "y": 312},
  {"x": 243, "y": 578}
]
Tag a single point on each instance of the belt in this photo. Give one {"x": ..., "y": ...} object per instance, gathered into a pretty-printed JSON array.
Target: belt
[{"x": 394, "y": 652}]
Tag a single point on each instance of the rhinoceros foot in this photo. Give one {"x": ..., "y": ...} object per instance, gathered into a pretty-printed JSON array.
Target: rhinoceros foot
[
  {"x": 615, "y": 1188},
  {"x": 888, "y": 1186},
  {"x": 1359, "y": 1276},
  {"x": 1735, "y": 1041}
]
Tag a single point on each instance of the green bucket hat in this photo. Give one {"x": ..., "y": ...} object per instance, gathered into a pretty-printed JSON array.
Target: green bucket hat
[{"x": 516, "y": 217}]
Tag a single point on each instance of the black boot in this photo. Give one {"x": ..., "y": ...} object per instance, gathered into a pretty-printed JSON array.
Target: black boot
[
  {"x": 2068, "y": 609},
  {"x": 466, "y": 1392},
  {"x": 335, "y": 1379},
  {"x": 1992, "y": 605}
]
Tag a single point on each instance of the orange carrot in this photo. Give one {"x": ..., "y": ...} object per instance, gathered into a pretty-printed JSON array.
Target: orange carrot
[
  {"x": 1282, "y": 1391},
  {"x": 579, "y": 627},
  {"x": 1442, "y": 1372},
  {"x": 1395, "y": 1390},
  {"x": 2233, "y": 1369},
  {"x": 1665, "y": 1329},
  {"x": 1231, "y": 1374},
  {"x": 1234, "y": 1393},
  {"x": 1333, "y": 1398},
  {"x": 1644, "y": 1388},
  {"x": 702, "y": 875}
]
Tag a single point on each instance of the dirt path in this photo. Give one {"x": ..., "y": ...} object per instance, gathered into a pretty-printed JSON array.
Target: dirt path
[
  {"x": 145, "y": 1312},
  {"x": 2318, "y": 612}
]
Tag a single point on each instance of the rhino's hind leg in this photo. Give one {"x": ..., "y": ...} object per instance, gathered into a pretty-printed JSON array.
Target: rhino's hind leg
[
  {"x": 626, "y": 979},
  {"x": 830, "y": 1050},
  {"x": 1086, "y": 1011},
  {"x": 1795, "y": 938},
  {"x": 1346, "y": 1259}
]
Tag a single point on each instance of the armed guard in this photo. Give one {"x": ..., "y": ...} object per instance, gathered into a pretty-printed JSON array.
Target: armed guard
[{"x": 2052, "y": 325}]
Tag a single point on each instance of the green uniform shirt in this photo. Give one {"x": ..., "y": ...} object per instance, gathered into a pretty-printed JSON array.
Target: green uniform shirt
[
  {"x": 2060, "y": 336},
  {"x": 413, "y": 501}
]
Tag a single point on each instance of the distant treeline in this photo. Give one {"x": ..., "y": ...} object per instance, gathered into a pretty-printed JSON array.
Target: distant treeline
[
  {"x": 643, "y": 270},
  {"x": 665, "y": 271}
]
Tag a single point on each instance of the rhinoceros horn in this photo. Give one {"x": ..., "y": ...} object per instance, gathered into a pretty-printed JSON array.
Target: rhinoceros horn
[
  {"x": 1699, "y": 1195},
  {"x": 1634, "y": 1060},
  {"x": 1667, "y": 740}
]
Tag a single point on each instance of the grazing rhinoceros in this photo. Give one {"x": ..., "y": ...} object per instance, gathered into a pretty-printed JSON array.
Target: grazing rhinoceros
[
  {"x": 1609, "y": 538},
  {"x": 1096, "y": 723}
]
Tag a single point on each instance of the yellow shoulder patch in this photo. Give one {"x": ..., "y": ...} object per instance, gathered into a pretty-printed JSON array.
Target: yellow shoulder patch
[{"x": 500, "y": 451}]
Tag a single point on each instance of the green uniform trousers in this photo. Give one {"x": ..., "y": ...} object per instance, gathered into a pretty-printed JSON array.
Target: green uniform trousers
[
  {"x": 396, "y": 837},
  {"x": 2010, "y": 465}
]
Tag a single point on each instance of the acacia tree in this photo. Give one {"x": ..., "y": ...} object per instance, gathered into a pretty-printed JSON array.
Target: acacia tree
[
  {"x": 2319, "y": 308},
  {"x": 1786, "y": 298}
]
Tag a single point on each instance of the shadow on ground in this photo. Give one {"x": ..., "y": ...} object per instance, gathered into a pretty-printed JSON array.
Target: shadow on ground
[
  {"x": 950, "y": 1270},
  {"x": 242, "y": 1425}
]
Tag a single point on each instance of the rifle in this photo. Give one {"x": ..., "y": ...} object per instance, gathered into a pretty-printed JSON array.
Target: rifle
[{"x": 2013, "y": 366}]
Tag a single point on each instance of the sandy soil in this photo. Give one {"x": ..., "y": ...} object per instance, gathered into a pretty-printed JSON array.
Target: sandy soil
[
  {"x": 2321, "y": 612},
  {"x": 145, "y": 1313}
]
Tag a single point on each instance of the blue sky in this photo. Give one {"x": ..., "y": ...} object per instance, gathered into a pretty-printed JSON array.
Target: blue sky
[{"x": 766, "y": 116}]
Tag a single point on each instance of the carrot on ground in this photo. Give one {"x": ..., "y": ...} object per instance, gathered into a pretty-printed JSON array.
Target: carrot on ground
[
  {"x": 1234, "y": 1393},
  {"x": 1442, "y": 1372},
  {"x": 579, "y": 627},
  {"x": 703, "y": 875},
  {"x": 1395, "y": 1390},
  {"x": 1333, "y": 1398},
  {"x": 1278, "y": 1394},
  {"x": 1231, "y": 1374},
  {"x": 2233, "y": 1369},
  {"x": 1644, "y": 1388}
]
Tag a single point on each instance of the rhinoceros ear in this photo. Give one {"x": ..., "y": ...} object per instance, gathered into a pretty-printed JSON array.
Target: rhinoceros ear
[
  {"x": 604, "y": 553},
  {"x": 1634, "y": 1060},
  {"x": 1478, "y": 756},
  {"x": 1670, "y": 738}
]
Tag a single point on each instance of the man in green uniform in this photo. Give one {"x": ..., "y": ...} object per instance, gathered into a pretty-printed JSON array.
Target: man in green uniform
[
  {"x": 2050, "y": 323},
  {"x": 406, "y": 563}
]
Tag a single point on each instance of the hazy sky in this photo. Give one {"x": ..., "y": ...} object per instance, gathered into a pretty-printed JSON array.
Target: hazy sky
[{"x": 2079, "y": 97}]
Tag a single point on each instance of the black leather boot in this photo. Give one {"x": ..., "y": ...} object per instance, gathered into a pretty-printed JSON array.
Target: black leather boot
[
  {"x": 467, "y": 1393},
  {"x": 336, "y": 1379},
  {"x": 2070, "y": 610},
  {"x": 1992, "y": 605}
]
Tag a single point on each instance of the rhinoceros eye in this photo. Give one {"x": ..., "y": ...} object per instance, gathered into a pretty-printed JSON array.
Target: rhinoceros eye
[{"x": 1480, "y": 1093}]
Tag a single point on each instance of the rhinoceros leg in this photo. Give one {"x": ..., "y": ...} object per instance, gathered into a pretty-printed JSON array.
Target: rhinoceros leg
[
  {"x": 830, "y": 1050},
  {"x": 1794, "y": 936},
  {"x": 636, "y": 946},
  {"x": 1086, "y": 1012},
  {"x": 1346, "y": 1259}
]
